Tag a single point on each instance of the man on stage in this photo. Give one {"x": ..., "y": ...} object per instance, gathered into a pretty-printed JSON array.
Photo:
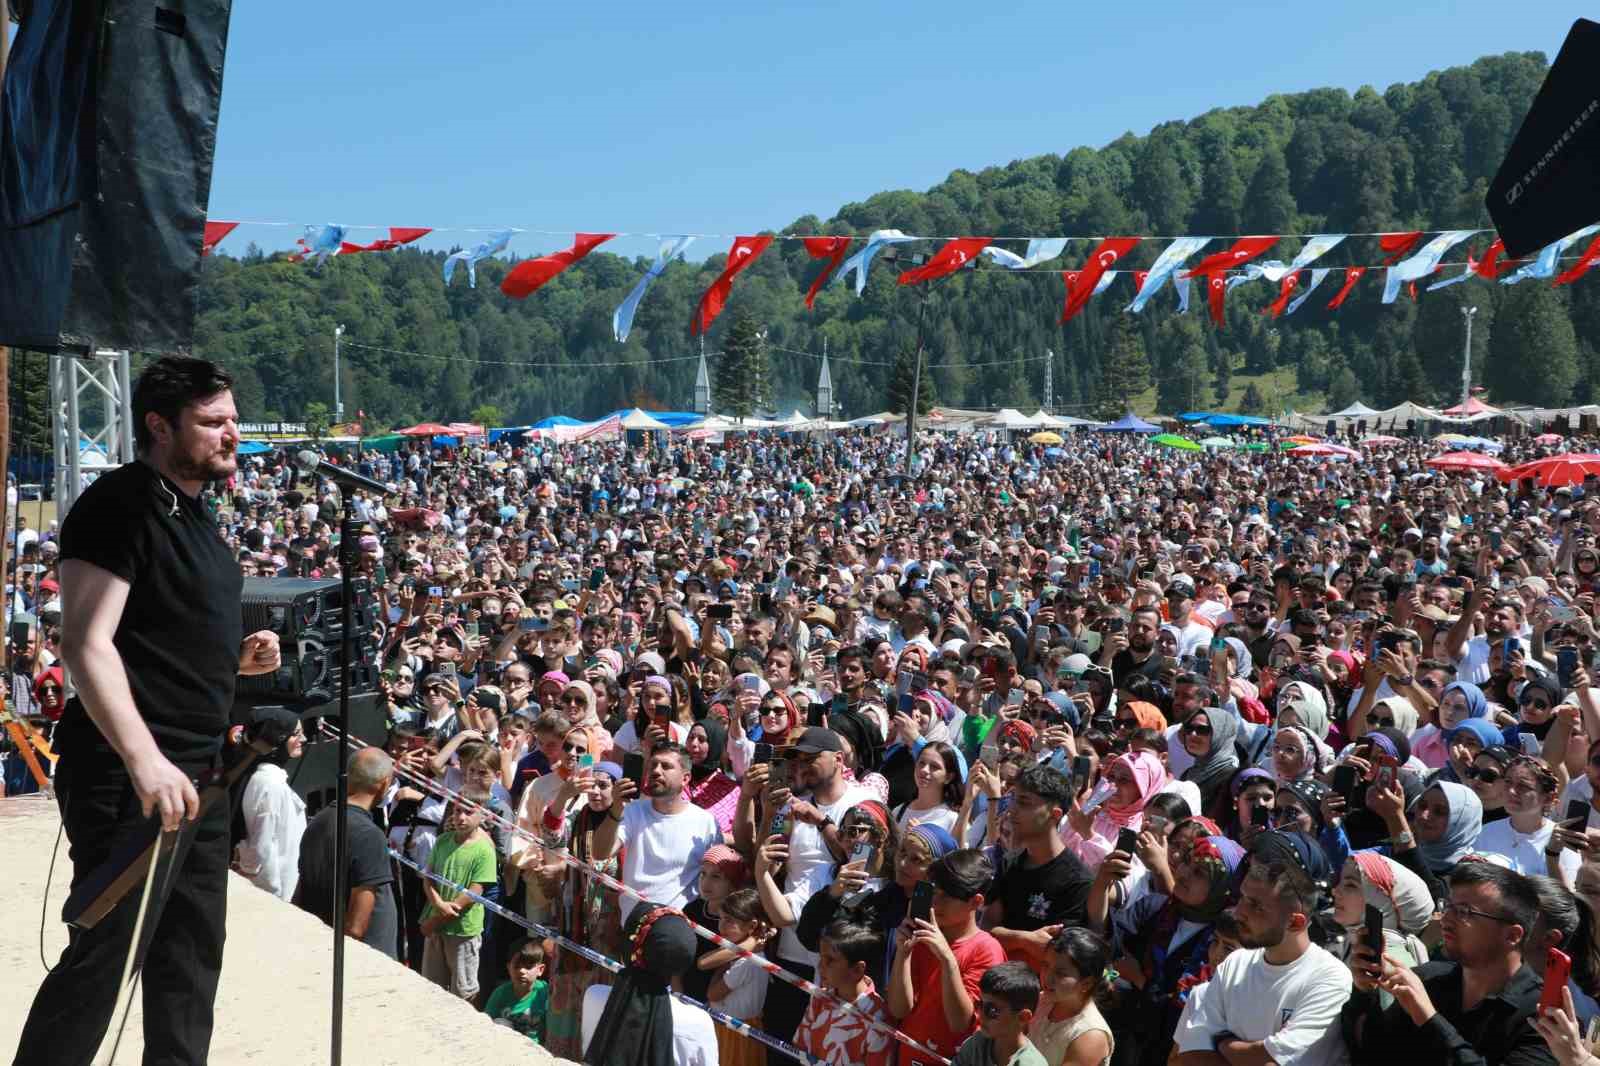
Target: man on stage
[{"x": 151, "y": 634}]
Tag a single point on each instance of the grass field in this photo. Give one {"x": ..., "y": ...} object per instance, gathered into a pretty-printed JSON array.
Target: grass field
[{"x": 1277, "y": 388}]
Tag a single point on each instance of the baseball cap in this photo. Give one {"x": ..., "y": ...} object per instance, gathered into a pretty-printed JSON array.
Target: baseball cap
[{"x": 816, "y": 739}]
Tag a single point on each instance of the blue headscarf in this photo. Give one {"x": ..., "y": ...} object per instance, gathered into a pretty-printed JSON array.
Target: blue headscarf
[
  {"x": 1481, "y": 728},
  {"x": 938, "y": 839},
  {"x": 1461, "y": 832},
  {"x": 1477, "y": 702}
]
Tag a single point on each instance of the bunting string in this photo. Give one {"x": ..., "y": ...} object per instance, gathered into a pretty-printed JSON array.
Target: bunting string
[{"x": 606, "y": 880}]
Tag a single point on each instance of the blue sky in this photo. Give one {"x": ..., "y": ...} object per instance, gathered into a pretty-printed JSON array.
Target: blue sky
[{"x": 721, "y": 119}]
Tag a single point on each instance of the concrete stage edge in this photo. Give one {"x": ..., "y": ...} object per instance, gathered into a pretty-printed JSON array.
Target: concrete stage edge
[{"x": 272, "y": 1005}]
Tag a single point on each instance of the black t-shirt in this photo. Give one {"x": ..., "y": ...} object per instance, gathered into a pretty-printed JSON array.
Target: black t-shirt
[
  {"x": 180, "y": 630},
  {"x": 369, "y": 868},
  {"x": 1056, "y": 893},
  {"x": 1124, "y": 666}
]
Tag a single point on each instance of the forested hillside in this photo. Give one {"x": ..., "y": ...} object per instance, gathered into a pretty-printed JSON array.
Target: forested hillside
[{"x": 1415, "y": 156}]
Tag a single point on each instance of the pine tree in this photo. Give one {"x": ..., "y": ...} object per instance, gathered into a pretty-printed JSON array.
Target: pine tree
[
  {"x": 1223, "y": 384},
  {"x": 1269, "y": 205},
  {"x": 740, "y": 385},
  {"x": 1533, "y": 350},
  {"x": 898, "y": 390},
  {"x": 1125, "y": 369},
  {"x": 1252, "y": 402}
]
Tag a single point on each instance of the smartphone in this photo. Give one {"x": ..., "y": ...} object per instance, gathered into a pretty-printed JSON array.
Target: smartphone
[
  {"x": 1015, "y": 697},
  {"x": 1041, "y": 634},
  {"x": 750, "y": 683},
  {"x": 436, "y": 592},
  {"x": 778, "y": 775},
  {"x": 445, "y": 666},
  {"x": 922, "y": 901},
  {"x": 1202, "y": 660},
  {"x": 1261, "y": 817},
  {"x": 1509, "y": 647},
  {"x": 1094, "y": 568},
  {"x": 780, "y": 824},
  {"x": 1566, "y": 663},
  {"x": 1128, "y": 841},
  {"x": 597, "y": 577},
  {"x": 532, "y": 625},
  {"x": 1373, "y": 937},
  {"x": 722, "y": 612},
  {"x": 763, "y": 753},
  {"x": 471, "y": 629},
  {"x": 1345, "y": 779},
  {"x": 1386, "y": 769},
  {"x": 586, "y": 761},
  {"x": 1082, "y": 766},
  {"x": 1577, "y": 815},
  {"x": 862, "y": 853},
  {"x": 1557, "y": 972},
  {"x": 633, "y": 766},
  {"x": 990, "y": 757},
  {"x": 904, "y": 703},
  {"x": 1496, "y": 538},
  {"x": 902, "y": 683}
]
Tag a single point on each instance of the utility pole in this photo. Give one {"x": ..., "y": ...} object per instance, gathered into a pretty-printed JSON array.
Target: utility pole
[
  {"x": 916, "y": 385},
  {"x": 5, "y": 383},
  {"x": 1466, "y": 356},
  {"x": 1049, "y": 385},
  {"x": 338, "y": 404}
]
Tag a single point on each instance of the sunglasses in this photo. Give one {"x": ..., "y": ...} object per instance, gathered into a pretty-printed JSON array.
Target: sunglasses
[
  {"x": 1488, "y": 777},
  {"x": 1538, "y": 705},
  {"x": 1124, "y": 724},
  {"x": 1380, "y": 723},
  {"x": 1197, "y": 729},
  {"x": 572, "y": 699},
  {"x": 575, "y": 749}
]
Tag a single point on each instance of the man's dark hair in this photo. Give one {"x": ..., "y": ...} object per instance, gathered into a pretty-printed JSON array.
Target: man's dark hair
[
  {"x": 1001, "y": 655},
  {"x": 168, "y": 385},
  {"x": 854, "y": 941},
  {"x": 1150, "y": 609},
  {"x": 1013, "y": 983},
  {"x": 1428, "y": 665},
  {"x": 1519, "y": 899},
  {"x": 1173, "y": 807},
  {"x": 673, "y": 748},
  {"x": 854, "y": 652},
  {"x": 1048, "y": 783},
  {"x": 1291, "y": 884},
  {"x": 962, "y": 874}
]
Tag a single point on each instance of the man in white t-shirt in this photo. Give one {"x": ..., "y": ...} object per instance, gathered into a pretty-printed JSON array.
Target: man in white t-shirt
[
  {"x": 664, "y": 836},
  {"x": 815, "y": 848},
  {"x": 1279, "y": 1000}
]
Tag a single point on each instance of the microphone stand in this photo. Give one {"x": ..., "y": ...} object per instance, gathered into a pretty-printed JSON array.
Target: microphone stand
[{"x": 349, "y": 535}]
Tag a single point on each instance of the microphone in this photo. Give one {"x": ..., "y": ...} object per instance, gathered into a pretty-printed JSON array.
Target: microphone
[{"x": 310, "y": 462}]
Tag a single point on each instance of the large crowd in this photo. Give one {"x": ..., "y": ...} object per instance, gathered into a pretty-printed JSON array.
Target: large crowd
[{"x": 1112, "y": 755}]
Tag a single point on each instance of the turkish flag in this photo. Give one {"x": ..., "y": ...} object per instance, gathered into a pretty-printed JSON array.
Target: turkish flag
[
  {"x": 1396, "y": 246},
  {"x": 1244, "y": 249},
  {"x": 398, "y": 235},
  {"x": 1083, "y": 282},
  {"x": 1286, "y": 289},
  {"x": 529, "y": 275},
  {"x": 947, "y": 260},
  {"x": 742, "y": 254},
  {"x": 1351, "y": 276},
  {"x": 1138, "y": 279},
  {"x": 215, "y": 231},
  {"x": 1217, "y": 294},
  {"x": 830, "y": 248},
  {"x": 1591, "y": 255}
]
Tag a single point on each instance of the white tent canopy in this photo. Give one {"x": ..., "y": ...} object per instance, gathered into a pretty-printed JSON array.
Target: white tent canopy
[
  {"x": 637, "y": 420},
  {"x": 1011, "y": 418},
  {"x": 1355, "y": 410}
]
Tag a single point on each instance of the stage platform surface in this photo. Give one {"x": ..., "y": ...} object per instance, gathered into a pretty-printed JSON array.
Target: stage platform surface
[{"x": 272, "y": 1004}]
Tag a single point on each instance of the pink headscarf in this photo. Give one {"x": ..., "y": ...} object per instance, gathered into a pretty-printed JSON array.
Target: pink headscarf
[{"x": 1149, "y": 775}]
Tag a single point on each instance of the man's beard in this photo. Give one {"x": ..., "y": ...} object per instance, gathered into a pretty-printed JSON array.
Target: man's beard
[
  {"x": 1269, "y": 939},
  {"x": 218, "y": 466},
  {"x": 1141, "y": 649}
]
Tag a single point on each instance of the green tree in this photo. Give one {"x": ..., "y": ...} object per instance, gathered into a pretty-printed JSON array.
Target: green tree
[
  {"x": 1269, "y": 205},
  {"x": 1125, "y": 371},
  {"x": 1533, "y": 350},
  {"x": 1252, "y": 402},
  {"x": 1222, "y": 385},
  {"x": 1181, "y": 384},
  {"x": 1343, "y": 389},
  {"x": 739, "y": 385},
  {"x": 487, "y": 414},
  {"x": 318, "y": 419},
  {"x": 898, "y": 390}
]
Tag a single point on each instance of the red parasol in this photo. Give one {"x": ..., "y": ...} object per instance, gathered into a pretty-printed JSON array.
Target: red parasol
[
  {"x": 1566, "y": 469},
  {"x": 1465, "y": 462}
]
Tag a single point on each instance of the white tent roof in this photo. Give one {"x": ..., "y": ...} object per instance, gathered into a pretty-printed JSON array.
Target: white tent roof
[
  {"x": 637, "y": 419},
  {"x": 1011, "y": 418},
  {"x": 1355, "y": 410},
  {"x": 1044, "y": 418}
]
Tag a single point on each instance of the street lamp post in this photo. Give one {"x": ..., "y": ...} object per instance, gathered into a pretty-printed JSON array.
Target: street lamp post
[
  {"x": 338, "y": 404},
  {"x": 1466, "y": 356}
]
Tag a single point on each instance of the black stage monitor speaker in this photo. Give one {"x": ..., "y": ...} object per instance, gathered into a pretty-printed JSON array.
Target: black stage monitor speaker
[
  {"x": 314, "y": 775},
  {"x": 108, "y": 126},
  {"x": 1546, "y": 187},
  {"x": 306, "y": 615}
]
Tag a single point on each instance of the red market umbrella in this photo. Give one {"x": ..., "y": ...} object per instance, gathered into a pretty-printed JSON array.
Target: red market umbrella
[
  {"x": 426, "y": 429},
  {"x": 1465, "y": 462},
  {"x": 1547, "y": 438},
  {"x": 1324, "y": 448},
  {"x": 1566, "y": 469},
  {"x": 1379, "y": 439}
]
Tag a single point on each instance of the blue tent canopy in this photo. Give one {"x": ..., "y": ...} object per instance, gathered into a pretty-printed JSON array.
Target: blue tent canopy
[
  {"x": 252, "y": 447},
  {"x": 1195, "y": 416},
  {"x": 1128, "y": 423},
  {"x": 1224, "y": 421},
  {"x": 671, "y": 418}
]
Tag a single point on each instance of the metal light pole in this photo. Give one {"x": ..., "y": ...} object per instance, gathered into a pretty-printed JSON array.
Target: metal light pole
[
  {"x": 1466, "y": 356},
  {"x": 338, "y": 404}
]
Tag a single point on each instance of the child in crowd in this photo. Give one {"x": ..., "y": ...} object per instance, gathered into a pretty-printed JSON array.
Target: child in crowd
[
  {"x": 722, "y": 870},
  {"x": 451, "y": 922},
  {"x": 1008, "y": 996},
  {"x": 520, "y": 1002},
  {"x": 740, "y": 985},
  {"x": 837, "y": 1036},
  {"x": 1068, "y": 1021}
]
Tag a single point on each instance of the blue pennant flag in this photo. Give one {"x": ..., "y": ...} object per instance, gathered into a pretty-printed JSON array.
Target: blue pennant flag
[
  {"x": 1169, "y": 260},
  {"x": 877, "y": 241},
  {"x": 1316, "y": 279},
  {"x": 622, "y": 319},
  {"x": 484, "y": 249}
]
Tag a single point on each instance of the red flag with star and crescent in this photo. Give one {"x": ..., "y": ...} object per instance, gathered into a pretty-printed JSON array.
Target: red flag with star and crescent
[
  {"x": 529, "y": 275},
  {"x": 215, "y": 231},
  {"x": 398, "y": 235},
  {"x": 1082, "y": 283},
  {"x": 947, "y": 260},
  {"x": 1351, "y": 276},
  {"x": 1217, "y": 294},
  {"x": 1286, "y": 289},
  {"x": 1494, "y": 263},
  {"x": 830, "y": 248},
  {"x": 745, "y": 250},
  {"x": 1590, "y": 256},
  {"x": 1244, "y": 249},
  {"x": 1396, "y": 246}
]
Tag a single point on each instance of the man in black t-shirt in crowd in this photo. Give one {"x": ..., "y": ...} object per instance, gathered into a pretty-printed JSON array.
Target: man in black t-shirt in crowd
[
  {"x": 1045, "y": 886},
  {"x": 369, "y": 915},
  {"x": 151, "y": 629}
]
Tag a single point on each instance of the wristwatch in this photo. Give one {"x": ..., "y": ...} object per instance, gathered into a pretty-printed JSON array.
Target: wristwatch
[{"x": 1403, "y": 840}]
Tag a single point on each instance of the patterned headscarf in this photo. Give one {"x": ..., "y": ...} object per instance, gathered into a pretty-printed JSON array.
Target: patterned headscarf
[{"x": 1149, "y": 775}]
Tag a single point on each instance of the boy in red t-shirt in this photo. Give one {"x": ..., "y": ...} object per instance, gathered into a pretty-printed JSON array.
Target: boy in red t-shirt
[
  {"x": 933, "y": 984},
  {"x": 833, "y": 1034}
]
